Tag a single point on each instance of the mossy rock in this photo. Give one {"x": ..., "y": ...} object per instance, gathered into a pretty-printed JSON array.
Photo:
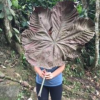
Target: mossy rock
[{"x": 9, "y": 92}]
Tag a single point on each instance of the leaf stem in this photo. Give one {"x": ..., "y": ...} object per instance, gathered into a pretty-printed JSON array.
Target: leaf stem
[{"x": 39, "y": 94}]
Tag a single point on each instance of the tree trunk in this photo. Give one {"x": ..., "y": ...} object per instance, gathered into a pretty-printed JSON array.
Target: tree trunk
[
  {"x": 97, "y": 32},
  {"x": 7, "y": 25},
  {"x": 8, "y": 30}
]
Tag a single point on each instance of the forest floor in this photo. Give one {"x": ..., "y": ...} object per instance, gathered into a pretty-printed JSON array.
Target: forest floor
[{"x": 78, "y": 83}]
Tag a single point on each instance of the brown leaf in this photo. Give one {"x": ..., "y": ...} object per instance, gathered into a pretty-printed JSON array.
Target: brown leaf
[{"x": 55, "y": 35}]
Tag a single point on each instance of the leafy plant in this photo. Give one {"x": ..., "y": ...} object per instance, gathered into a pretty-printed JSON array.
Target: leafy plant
[
  {"x": 88, "y": 54},
  {"x": 1, "y": 10},
  {"x": 20, "y": 96},
  {"x": 15, "y": 3},
  {"x": 0, "y": 30}
]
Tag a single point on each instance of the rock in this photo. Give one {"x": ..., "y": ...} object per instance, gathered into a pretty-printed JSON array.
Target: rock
[{"x": 9, "y": 92}]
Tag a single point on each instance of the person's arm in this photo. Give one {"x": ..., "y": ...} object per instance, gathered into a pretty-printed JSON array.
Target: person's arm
[
  {"x": 39, "y": 71},
  {"x": 50, "y": 75}
]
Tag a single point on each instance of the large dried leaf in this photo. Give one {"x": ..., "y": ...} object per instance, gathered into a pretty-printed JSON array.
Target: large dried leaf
[{"x": 55, "y": 34}]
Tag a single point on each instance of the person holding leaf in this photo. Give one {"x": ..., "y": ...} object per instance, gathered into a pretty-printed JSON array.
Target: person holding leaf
[
  {"x": 53, "y": 36},
  {"x": 52, "y": 84}
]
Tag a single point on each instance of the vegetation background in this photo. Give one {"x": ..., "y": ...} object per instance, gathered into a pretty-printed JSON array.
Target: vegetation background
[{"x": 82, "y": 75}]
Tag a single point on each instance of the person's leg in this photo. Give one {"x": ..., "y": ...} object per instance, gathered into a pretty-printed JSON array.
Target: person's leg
[
  {"x": 45, "y": 92},
  {"x": 56, "y": 92}
]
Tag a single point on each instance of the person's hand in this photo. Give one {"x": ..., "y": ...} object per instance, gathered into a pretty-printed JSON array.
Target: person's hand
[
  {"x": 42, "y": 73},
  {"x": 49, "y": 75}
]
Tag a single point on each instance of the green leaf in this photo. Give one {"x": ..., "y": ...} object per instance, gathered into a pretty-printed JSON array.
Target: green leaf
[
  {"x": 23, "y": 57},
  {"x": 23, "y": 7},
  {"x": 91, "y": 60},
  {"x": 79, "y": 8},
  {"x": 1, "y": 6},
  {"x": 2, "y": 15},
  {"x": 10, "y": 17},
  {"x": 17, "y": 37},
  {"x": 24, "y": 23},
  {"x": 15, "y": 3},
  {"x": 12, "y": 12},
  {"x": 9, "y": 3},
  {"x": 7, "y": 11},
  {"x": 18, "y": 99},
  {"x": 0, "y": 30},
  {"x": 16, "y": 30},
  {"x": 30, "y": 7}
]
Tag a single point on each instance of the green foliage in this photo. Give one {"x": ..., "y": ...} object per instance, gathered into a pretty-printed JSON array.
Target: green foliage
[
  {"x": 0, "y": 30},
  {"x": 8, "y": 11},
  {"x": 16, "y": 30},
  {"x": 79, "y": 8},
  {"x": 73, "y": 70},
  {"x": 12, "y": 12},
  {"x": 10, "y": 17},
  {"x": 20, "y": 96},
  {"x": 15, "y": 3},
  {"x": 91, "y": 11},
  {"x": 9, "y": 3},
  {"x": 45, "y": 3},
  {"x": 2, "y": 15},
  {"x": 88, "y": 54},
  {"x": 77, "y": 86},
  {"x": 1, "y": 10},
  {"x": 23, "y": 59},
  {"x": 1, "y": 6},
  {"x": 16, "y": 34}
]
